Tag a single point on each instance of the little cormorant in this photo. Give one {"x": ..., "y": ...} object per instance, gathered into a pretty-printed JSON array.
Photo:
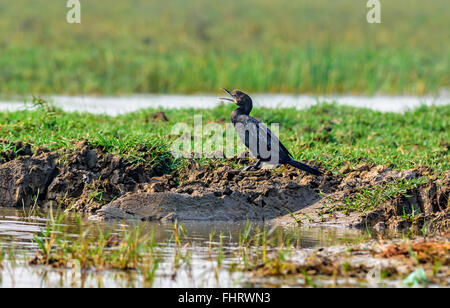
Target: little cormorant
[{"x": 261, "y": 142}]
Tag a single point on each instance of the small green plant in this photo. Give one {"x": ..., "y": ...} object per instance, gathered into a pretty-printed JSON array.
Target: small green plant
[
  {"x": 297, "y": 221},
  {"x": 308, "y": 281},
  {"x": 416, "y": 278},
  {"x": 220, "y": 256},
  {"x": 411, "y": 217},
  {"x": 31, "y": 211},
  {"x": 2, "y": 256}
]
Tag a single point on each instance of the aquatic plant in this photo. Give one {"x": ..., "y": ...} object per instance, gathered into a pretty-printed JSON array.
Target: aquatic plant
[{"x": 98, "y": 250}]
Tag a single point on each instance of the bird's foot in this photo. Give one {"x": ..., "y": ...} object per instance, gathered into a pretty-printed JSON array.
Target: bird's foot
[
  {"x": 249, "y": 167},
  {"x": 254, "y": 167}
]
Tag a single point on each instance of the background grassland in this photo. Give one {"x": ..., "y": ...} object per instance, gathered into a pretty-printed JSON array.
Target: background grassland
[
  {"x": 178, "y": 46},
  {"x": 330, "y": 134}
]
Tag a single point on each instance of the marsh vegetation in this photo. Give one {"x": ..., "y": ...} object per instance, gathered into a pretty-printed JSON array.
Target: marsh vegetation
[{"x": 200, "y": 46}]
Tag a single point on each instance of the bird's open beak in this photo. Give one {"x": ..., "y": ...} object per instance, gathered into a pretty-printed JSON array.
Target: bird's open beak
[{"x": 228, "y": 99}]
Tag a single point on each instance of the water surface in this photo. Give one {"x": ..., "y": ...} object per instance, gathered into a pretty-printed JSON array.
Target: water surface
[
  {"x": 116, "y": 105},
  {"x": 18, "y": 227}
]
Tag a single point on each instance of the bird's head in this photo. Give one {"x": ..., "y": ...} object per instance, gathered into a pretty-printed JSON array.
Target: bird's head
[{"x": 238, "y": 97}]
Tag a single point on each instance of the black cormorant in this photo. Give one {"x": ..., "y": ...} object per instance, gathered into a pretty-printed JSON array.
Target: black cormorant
[{"x": 261, "y": 142}]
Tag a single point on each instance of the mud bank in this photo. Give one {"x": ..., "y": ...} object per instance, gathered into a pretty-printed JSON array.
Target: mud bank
[
  {"x": 82, "y": 181},
  {"x": 109, "y": 187}
]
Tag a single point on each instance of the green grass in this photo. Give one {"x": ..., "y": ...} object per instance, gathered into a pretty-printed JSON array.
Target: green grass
[
  {"x": 332, "y": 135},
  {"x": 369, "y": 198},
  {"x": 199, "y": 46}
]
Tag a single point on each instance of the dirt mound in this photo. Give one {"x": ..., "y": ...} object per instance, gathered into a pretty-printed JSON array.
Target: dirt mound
[
  {"x": 428, "y": 203},
  {"x": 25, "y": 179},
  {"x": 415, "y": 206},
  {"x": 251, "y": 198},
  {"x": 84, "y": 181},
  {"x": 220, "y": 193},
  {"x": 90, "y": 180}
]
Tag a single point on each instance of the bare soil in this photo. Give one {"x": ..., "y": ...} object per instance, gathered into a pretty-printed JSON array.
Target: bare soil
[{"x": 109, "y": 187}]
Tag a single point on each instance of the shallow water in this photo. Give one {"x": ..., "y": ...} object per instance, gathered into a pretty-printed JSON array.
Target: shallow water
[
  {"x": 124, "y": 104},
  {"x": 17, "y": 229}
]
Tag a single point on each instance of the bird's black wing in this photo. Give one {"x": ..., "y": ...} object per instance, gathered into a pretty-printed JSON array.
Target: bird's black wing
[{"x": 261, "y": 131}]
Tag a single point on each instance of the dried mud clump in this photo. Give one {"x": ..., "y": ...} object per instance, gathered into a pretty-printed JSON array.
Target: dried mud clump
[
  {"x": 360, "y": 264},
  {"x": 25, "y": 179},
  {"x": 423, "y": 252}
]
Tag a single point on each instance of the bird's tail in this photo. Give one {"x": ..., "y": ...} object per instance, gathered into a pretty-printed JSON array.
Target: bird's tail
[{"x": 304, "y": 167}]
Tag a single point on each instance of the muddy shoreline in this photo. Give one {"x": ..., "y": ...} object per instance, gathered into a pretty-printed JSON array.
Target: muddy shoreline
[{"x": 108, "y": 187}]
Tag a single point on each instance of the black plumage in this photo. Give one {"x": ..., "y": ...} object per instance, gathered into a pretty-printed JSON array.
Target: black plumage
[{"x": 261, "y": 142}]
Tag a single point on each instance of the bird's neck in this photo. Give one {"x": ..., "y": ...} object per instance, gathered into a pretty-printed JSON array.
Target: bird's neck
[{"x": 245, "y": 109}]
